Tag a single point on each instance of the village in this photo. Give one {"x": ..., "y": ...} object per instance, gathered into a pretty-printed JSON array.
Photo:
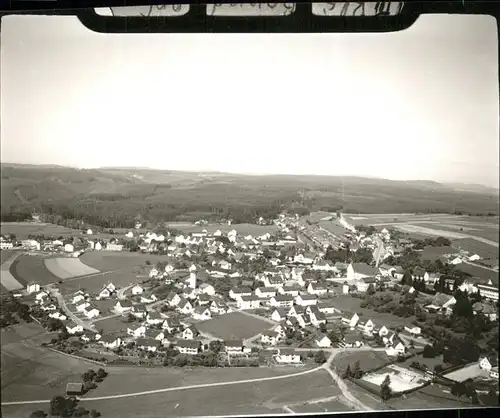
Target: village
[{"x": 223, "y": 299}]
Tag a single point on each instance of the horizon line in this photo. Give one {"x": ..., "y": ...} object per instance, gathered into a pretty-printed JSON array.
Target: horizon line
[{"x": 202, "y": 171}]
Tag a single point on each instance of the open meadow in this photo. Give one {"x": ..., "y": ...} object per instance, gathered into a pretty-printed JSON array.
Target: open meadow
[
  {"x": 233, "y": 326},
  {"x": 24, "y": 229},
  {"x": 95, "y": 283},
  {"x": 264, "y": 397},
  {"x": 320, "y": 407},
  {"x": 477, "y": 247},
  {"x": 27, "y": 268},
  {"x": 30, "y": 372},
  {"x": 368, "y": 360},
  {"x": 8, "y": 281},
  {"x": 67, "y": 268},
  {"x": 242, "y": 229},
  {"x": 111, "y": 261}
]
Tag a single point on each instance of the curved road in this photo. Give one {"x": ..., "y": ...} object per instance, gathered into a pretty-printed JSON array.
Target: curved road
[{"x": 326, "y": 366}]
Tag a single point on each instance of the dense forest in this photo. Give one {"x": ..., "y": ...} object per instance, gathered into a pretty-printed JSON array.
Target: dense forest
[{"x": 116, "y": 198}]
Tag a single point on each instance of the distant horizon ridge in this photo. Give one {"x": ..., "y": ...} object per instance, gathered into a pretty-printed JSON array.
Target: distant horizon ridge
[{"x": 201, "y": 171}]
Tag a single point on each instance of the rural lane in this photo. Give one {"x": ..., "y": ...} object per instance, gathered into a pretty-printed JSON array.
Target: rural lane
[
  {"x": 71, "y": 315},
  {"x": 326, "y": 366}
]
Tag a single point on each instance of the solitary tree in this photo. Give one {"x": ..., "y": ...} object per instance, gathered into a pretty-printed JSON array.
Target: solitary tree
[
  {"x": 320, "y": 357},
  {"x": 385, "y": 388}
]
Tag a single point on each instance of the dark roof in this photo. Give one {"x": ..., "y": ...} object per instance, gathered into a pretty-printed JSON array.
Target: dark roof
[
  {"x": 363, "y": 268},
  {"x": 283, "y": 298},
  {"x": 249, "y": 298},
  {"x": 308, "y": 297},
  {"x": 109, "y": 338},
  {"x": 189, "y": 343},
  {"x": 234, "y": 343},
  {"x": 74, "y": 387},
  {"x": 147, "y": 342}
]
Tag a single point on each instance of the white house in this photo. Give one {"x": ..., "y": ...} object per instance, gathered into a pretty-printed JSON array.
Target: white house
[
  {"x": 316, "y": 289},
  {"x": 73, "y": 328},
  {"x": 148, "y": 297},
  {"x": 236, "y": 293},
  {"x": 289, "y": 290},
  {"x": 190, "y": 347},
  {"x": 488, "y": 291},
  {"x": 69, "y": 248},
  {"x": 306, "y": 300},
  {"x": 58, "y": 315},
  {"x": 248, "y": 302},
  {"x": 5, "y": 245},
  {"x": 136, "y": 330},
  {"x": 32, "y": 288},
  {"x": 171, "y": 325},
  {"x": 173, "y": 299},
  {"x": 137, "y": 289},
  {"x": 148, "y": 344},
  {"x": 111, "y": 341},
  {"x": 89, "y": 232},
  {"x": 328, "y": 307},
  {"x": 218, "y": 307},
  {"x": 80, "y": 306},
  {"x": 484, "y": 364},
  {"x": 474, "y": 257},
  {"x": 91, "y": 312},
  {"x": 281, "y": 301},
  {"x": 278, "y": 314},
  {"x": 185, "y": 307},
  {"x": 287, "y": 356},
  {"x": 356, "y": 271},
  {"x": 350, "y": 319},
  {"x": 154, "y": 318},
  {"x": 367, "y": 327},
  {"x": 207, "y": 289},
  {"x": 265, "y": 292},
  {"x": 189, "y": 333},
  {"x": 202, "y": 313},
  {"x": 494, "y": 372},
  {"x": 413, "y": 330},
  {"x": 269, "y": 337},
  {"x": 123, "y": 306},
  {"x": 323, "y": 341},
  {"x": 383, "y": 331}
]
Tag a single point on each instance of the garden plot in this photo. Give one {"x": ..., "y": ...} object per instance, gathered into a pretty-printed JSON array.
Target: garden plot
[{"x": 67, "y": 268}]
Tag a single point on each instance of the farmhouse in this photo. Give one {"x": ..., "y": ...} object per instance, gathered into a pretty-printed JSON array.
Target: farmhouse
[
  {"x": 265, "y": 292},
  {"x": 185, "y": 307},
  {"x": 89, "y": 336},
  {"x": 154, "y": 318},
  {"x": 189, "y": 333},
  {"x": 137, "y": 289},
  {"x": 111, "y": 341},
  {"x": 204, "y": 299},
  {"x": 73, "y": 328},
  {"x": 317, "y": 318},
  {"x": 328, "y": 307},
  {"x": 248, "y": 302},
  {"x": 353, "y": 341},
  {"x": 91, "y": 312},
  {"x": 281, "y": 301},
  {"x": 202, "y": 313},
  {"x": 488, "y": 292},
  {"x": 207, "y": 289},
  {"x": 290, "y": 290},
  {"x": 356, "y": 271},
  {"x": 137, "y": 331},
  {"x": 171, "y": 325},
  {"x": 74, "y": 389},
  {"x": 306, "y": 300},
  {"x": 287, "y": 356},
  {"x": 148, "y": 344},
  {"x": 269, "y": 337},
  {"x": 441, "y": 302},
  {"x": 233, "y": 347},
  {"x": 80, "y": 306},
  {"x": 236, "y": 293},
  {"x": 173, "y": 299},
  {"x": 190, "y": 347},
  {"x": 139, "y": 311},
  {"x": 363, "y": 284},
  {"x": 279, "y": 314},
  {"x": 148, "y": 297},
  {"x": 322, "y": 341},
  {"x": 296, "y": 310},
  {"x": 317, "y": 289},
  {"x": 32, "y": 287},
  {"x": 123, "y": 306},
  {"x": 218, "y": 307},
  {"x": 58, "y": 315},
  {"x": 350, "y": 319}
]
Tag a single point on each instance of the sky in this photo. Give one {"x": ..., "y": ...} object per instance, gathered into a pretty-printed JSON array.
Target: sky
[{"x": 420, "y": 104}]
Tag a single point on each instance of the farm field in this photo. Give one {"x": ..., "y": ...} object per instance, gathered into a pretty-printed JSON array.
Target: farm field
[
  {"x": 242, "y": 229},
  {"x": 233, "y": 326},
  {"x": 27, "y": 268},
  {"x": 94, "y": 284},
  {"x": 433, "y": 253},
  {"x": 317, "y": 407},
  {"x": 350, "y": 304},
  {"x": 23, "y": 229},
  {"x": 368, "y": 360},
  {"x": 477, "y": 247},
  {"x": 8, "y": 281},
  {"x": 30, "y": 372},
  {"x": 265, "y": 397},
  {"x": 119, "y": 381},
  {"x": 476, "y": 271},
  {"x": 112, "y": 325},
  {"x": 67, "y": 268},
  {"x": 110, "y": 261}
]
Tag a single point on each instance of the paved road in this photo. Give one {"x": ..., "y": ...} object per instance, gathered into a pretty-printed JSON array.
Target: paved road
[
  {"x": 69, "y": 314},
  {"x": 480, "y": 266}
]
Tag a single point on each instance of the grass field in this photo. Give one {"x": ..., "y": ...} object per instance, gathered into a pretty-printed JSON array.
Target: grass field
[
  {"x": 320, "y": 407},
  {"x": 112, "y": 325},
  {"x": 368, "y": 360},
  {"x": 8, "y": 281},
  {"x": 30, "y": 372},
  {"x": 233, "y": 326},
  {"x": 66, "y": 268},
  {"x": 433, "y": 253},
  {"x": 94, "y": 284},
  {"x": 265, "y": 397},
  {"x": 23, "y": 229},
  {"x": 242, "y": 229},
  {"x": 27, "y": 268},
  {"x": 476, "y": 247},
  {"x": 479, "y": 272},
  {"x": 110, "y": 261}
]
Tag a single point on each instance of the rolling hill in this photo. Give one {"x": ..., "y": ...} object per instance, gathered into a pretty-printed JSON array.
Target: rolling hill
[{"x": 116, "y": 196}]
